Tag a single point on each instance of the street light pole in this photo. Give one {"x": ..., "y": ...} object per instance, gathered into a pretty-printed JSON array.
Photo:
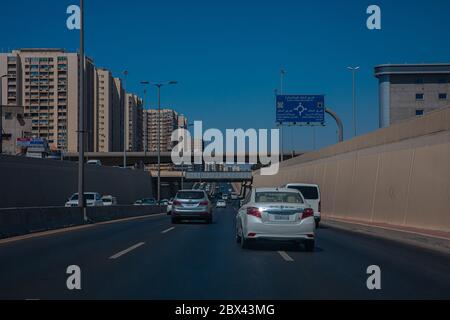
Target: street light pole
[
  {"x": 1, "y": 112},
  {"x": 354, "y": 70},
  {"x": 282, "y": 74},
  {"x": 145, "y": 124},
  {"x": 81, "y": 200},
  {"x": 159, "y": 142},
  {"x": 158, "y": 86},
  {"x": 125, "y": 125}
]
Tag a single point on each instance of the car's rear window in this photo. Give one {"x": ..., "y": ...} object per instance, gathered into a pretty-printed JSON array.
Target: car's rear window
[
  {"x": 192, "y": 195},
  {"x": 309, "y": 193},
  {"x": 278, "y": 197}
]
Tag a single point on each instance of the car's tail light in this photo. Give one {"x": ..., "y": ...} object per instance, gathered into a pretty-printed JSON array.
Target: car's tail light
[
  {"x": 204, "y": 203},
  {"x": 254, "y": 212},
  {"x": 177, "y": 203},
  {"x": 308, "y": 213}
]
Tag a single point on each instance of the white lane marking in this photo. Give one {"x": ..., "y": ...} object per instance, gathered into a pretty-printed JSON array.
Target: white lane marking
[
  {"x": 285, "y": 256},
  {"x": 118, "y": 255},
  {"x": 168, "y": 230}
]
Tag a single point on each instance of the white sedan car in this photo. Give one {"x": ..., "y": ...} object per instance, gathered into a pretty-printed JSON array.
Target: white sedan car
[
  {"x": 221, "y": 204},
  {"x": 275, "y": 214}
]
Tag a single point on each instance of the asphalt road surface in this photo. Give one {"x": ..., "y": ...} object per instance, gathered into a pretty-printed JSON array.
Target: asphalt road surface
[{"x": 152, "y": 259}]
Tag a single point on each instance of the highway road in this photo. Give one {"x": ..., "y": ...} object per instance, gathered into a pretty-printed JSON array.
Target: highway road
[{"x": 149, "y": 258}]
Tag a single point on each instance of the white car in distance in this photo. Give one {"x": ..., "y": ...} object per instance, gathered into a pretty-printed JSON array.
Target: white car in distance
[
  {"x": 275, "y": 214},
  {"x": 93, "y": 199},
  {"x": 94, "y": 163},
  {"x": 109, "y": 201},
  {"x": 221, "y": 204}
]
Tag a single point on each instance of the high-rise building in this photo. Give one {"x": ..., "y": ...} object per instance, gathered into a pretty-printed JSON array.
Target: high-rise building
[
  {"x": 109, "y": 111},
  {"x": 168, "y": 123},
  {"x": 134, "y": 122},
  {"x": 411, "y": 90},
  {"x": 119, "y": 115},
  {"x": 182, "y": 121},
  {"x": 46, "y": 83},
  {"x": 103, "y": 114}
]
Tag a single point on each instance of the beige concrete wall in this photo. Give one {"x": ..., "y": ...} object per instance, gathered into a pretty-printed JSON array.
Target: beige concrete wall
[{"x": 403, "y": 183}]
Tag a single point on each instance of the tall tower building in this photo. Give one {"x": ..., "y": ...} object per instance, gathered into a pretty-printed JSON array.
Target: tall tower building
[
  {"x": 134, "y": 122},
  {"x": 103, "y": 115},
  {"x": 169, "y": 123},
  {"x": 46, "y": 83}
]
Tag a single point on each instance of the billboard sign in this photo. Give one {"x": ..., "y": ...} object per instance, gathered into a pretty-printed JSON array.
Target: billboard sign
[
  {"x": 23, "y": 142},
  {"x": 306, "y": 110}
]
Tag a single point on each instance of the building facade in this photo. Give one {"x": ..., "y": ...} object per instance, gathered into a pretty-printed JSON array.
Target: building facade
[
  {"x": 45, "y": 82},
  {"x": 134, "y": 122},
  {"x": 411, "y": 90},
  {"x": 169, "y": 123},
  {"x": 103, "y": 114}
]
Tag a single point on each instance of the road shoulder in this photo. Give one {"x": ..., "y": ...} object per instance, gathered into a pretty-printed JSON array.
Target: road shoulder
[{"x": 417, "y": 239}]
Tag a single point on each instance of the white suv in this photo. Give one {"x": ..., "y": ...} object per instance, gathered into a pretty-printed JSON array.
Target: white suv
[
  {"x": 311, "y": 193},
  {"x": 275, "y": 214}
]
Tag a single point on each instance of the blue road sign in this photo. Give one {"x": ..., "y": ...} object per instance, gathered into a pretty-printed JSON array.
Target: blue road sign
[{"x": 306, "y": 110}]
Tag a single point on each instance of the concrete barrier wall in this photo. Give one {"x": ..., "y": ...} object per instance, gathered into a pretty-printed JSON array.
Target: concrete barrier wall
[
  {"x": 21, "y": 221},
  {"x": 403, "y": 183},
  {"x": 29, "y": 182}
]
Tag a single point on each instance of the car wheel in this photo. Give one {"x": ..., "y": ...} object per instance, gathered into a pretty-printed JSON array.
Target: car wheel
[
  {"x": 310, "y": 245},
  {"x": 238, "y": 237},
  {"x": 174, "y": 221},
  {"x": 209, "y": 220},
  {"x": 244, "y": 241}
]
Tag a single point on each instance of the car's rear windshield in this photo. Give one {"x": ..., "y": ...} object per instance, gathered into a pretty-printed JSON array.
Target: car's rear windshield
[
  {"x": 308, "y": 192},
  {"x": 278, "y": 197},
  {"x": 191, "y": 195}
]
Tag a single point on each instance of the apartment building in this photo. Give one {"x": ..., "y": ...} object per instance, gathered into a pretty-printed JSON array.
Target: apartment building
[
  {"x": 46, "y": 83},
  {"x": 118, "y": 115},
  {"x": 109, "y": 112},
  {"x": 134, "y": 122},
  {"x": 411, "y": 90},
  {"x": 169, "y": 123},
  {"x": 182, "y": 121}
]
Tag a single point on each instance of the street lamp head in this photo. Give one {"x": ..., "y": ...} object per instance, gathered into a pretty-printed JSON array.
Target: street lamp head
[
  {"x": 353, "y": 68},
  {"x": 173, "y": 82}
]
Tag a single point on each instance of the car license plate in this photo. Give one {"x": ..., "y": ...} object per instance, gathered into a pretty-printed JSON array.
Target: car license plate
[{"x": 279, "y": 217}]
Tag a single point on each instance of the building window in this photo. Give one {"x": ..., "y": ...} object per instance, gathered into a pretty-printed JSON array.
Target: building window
[
  {"x": 420, "y": 112},
  {"x": 419, "y": 81},
  {"x": 419, "y": 96},
  {"x": 442, "y": 96}
]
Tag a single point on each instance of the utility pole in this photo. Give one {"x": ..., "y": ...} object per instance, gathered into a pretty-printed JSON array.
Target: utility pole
[
  {"x": 159, "y": 142},
  {"x": 282, "y": 75},
  {"x": 158, "y": 86},
  {"x": 1, "y": 112},
  {"x": 354, "y": 70},
  {"x": 81, "y": 129},
  {"x": 125, "y": 125}
]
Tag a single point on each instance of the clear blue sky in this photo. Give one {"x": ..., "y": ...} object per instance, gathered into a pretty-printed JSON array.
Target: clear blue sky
[{"x": 227, "y": 54}]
